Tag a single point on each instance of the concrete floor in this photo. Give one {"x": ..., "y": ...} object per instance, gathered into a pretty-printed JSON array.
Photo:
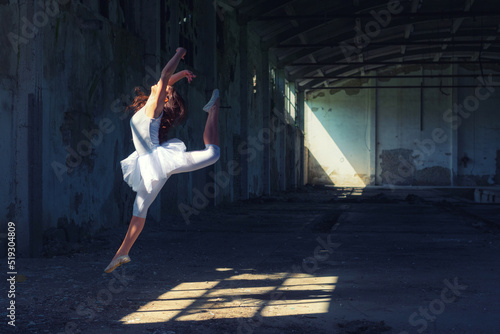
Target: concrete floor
[{"x": 318, "y": 260}]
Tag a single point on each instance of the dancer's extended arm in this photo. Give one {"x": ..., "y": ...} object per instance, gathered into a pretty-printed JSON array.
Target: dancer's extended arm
[
  {"x": 179, "y": 75},
  {"x": 154, "y": 106}
]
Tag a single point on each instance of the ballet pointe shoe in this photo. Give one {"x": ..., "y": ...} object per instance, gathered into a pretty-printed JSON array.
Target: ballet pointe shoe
[
  {"x": 116, "y": 263},
  {"x": 210, "y": 104}
]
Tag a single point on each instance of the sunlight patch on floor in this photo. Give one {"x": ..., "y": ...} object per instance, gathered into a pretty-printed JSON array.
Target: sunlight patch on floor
[
  {"x": 239, "y": 296},
  {"x": 318, "y": 300}
]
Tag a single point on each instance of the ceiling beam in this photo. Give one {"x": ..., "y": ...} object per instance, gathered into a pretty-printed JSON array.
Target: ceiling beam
[
  {"x": 395, "y": 76},
  {"x": 350, "y": 15},
  {"x": 448, "y": 41},
  {"x": 406, "y": 62},
  {"x": 390, "y": 55},
  {"x": 425, "y": 35},
  {"x": 338, "y": 68},
  {"x": 393, "y": 87},
  {"x": 455, "y": 26},
  {"x": 409, "y": 28},
  {"x": 304, "y": 27},
  {"x": 290, "y": 11},
  {"x": 344, "y": 34},
  {"x": 329, "y": 14},
  {"x": 491, "y": 38},
  {"x": 383, "y": 65}
]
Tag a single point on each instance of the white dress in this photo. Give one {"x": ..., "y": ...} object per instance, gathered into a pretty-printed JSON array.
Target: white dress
[{"x": 150, "y": 160}]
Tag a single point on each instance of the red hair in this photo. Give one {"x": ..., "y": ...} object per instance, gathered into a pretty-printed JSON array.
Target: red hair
[{"x": 174, "y": 111}]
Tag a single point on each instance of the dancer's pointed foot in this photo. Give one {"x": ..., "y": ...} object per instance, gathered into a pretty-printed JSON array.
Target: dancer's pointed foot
[
  {"x": 215, "y": 106},
  {"x": 210, "y": 104},
  {"x": 116, "y": 263}
]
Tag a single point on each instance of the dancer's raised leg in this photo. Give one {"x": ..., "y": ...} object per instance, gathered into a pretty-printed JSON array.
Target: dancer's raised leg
[
  {"x": 211, "y": 134},
  {"x": 204, "y": 158}
]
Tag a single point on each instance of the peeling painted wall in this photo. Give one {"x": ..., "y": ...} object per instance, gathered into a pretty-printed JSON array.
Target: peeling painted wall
[
  {"x": 406, "y": 120},
  {"x": 478, "y": 130},
  {"x": 401, "y": 136}
]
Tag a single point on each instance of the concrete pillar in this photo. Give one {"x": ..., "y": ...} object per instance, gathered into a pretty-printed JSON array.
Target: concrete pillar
[
  {"x": 303, "y": 161},
  {"x": 266, "y": 121},
  {"x": 206, "y": 61},
  {"x": 283, "y": 136},
  {"x": 292, "y": 177},
  {"x": 244, "y": 89},
  {"x": 376, "y": 148},
  {"x": 454, "y": 133},
  {"x": 372, "y": 131},
  {"x": 208, "y": 36},
  {"x": 27, "y": 139}
]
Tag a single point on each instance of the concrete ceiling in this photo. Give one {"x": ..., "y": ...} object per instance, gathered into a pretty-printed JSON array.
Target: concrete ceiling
[{"x": 320, "y": 42}]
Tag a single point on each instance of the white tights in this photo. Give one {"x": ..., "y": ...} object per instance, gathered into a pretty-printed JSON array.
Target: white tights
[{"x": 196, "y": 160}]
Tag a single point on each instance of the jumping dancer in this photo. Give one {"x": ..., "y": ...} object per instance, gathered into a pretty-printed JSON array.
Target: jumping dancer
[{"x": 155, "y": 158}]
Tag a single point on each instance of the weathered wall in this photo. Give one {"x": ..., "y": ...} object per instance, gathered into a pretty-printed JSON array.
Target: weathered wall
[
  {"x": 401, "y": 136},
  {"x": 336, "y": 128},
  {"x": 477, "y": 126},
  {"x": 65, "y": 84},
  {"x": 66, "y": 133},
  {"x": 255, "y": 103},
  {"x": 230, "y": 68},
  {"x": 406, "y": 119},
  {"x": 286, "y": 138},
  {"x": 277, "y": 117}
]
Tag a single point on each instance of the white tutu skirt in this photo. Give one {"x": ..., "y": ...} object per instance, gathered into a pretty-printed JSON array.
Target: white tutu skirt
[{"x": 155, "y": 165}]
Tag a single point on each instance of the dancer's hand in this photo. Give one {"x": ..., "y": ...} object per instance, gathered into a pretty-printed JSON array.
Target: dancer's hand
[
  {"x": 182, "y": 51},
  {"x": 189, "y": 75}
]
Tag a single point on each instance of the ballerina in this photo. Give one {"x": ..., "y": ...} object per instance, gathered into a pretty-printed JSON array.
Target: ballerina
[{"x": 155, "y": 158}]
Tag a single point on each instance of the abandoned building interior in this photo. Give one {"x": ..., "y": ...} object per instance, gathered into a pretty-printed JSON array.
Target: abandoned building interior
[{"x": 335, "y": 101}]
